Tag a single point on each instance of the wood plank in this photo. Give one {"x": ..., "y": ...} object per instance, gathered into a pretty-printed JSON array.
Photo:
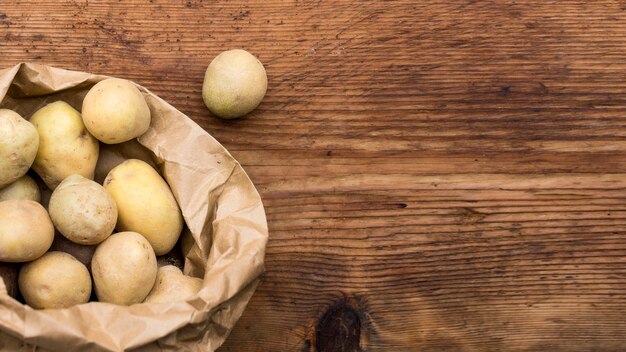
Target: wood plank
[{"x": 438, "y": 175}]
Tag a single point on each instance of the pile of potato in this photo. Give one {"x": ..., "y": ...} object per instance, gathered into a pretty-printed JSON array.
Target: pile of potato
[
  {"x": 56, "y": 250},
  {"x": 61, "y": 147}
]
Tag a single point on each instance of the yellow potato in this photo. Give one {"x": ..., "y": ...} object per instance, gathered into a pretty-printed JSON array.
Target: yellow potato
[
  {"x": 18, "y": 146},
  {"x": 172, "y": 285},
  {"x": 65, "y": 145},
  {"x": 234, "y": 84},
  {"x": 26, "y": 231},
  {"x": 145, "y": 204},
  {"x": 115, "y": 111},
  {"x": 56, "y": 280},
  {"x": 82, "y": 210},
  {"x": 22, "y": 188},
  {"x": 124, "y": 269}
]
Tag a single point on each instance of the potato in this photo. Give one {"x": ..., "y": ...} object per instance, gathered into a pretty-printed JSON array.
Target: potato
[
  {"x": 234, "y": 84},
  {"x": 81, "y": 252},
  {"x": 18, "y": 146},
  {"x": 26, "y": 231},
  {"x": 145, "y": 204},
  {"x": 65, "y": 145},
  {"x": 56, "y": 280},
  {"x": 82, "y": 210},
  {"x": 9, "y": 272},
  {"x": 172, "y": 285},
  {"x": 124, "y": 268},
  {"x": 22, "y": 188},
  {"x": 115, "y": 111}
]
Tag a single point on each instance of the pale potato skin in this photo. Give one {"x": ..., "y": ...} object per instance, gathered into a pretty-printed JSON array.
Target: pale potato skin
[
  {"x": 115, "y": 111},
  {"x": 172, "y": 285},
  {"x": 22, "y": 188},
  {"x": 234, "y": 84},
  {"x": 82, "y": 210},
  {"x": 65, "y": 145},
  {"x": 18, "y": 146},
  {"x": 26, "y": 231},
  {"x": 145, "y": 204},
  {"x": 124, "y": 269},
  {"x": 56, "y": 280}
]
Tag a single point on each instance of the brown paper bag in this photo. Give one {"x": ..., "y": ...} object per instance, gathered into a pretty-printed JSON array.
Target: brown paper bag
[{"x": 222, "y": 210}]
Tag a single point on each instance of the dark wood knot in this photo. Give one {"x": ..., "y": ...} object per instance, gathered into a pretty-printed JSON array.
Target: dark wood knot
[{"x": 339, "y": 328}]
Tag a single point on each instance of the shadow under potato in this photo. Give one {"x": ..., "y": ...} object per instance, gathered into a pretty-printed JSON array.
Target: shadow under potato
[
  {"x": 9, "y": 273},
  {"x": 83, "y": 253},
  {"x": 174, "y": 257}
]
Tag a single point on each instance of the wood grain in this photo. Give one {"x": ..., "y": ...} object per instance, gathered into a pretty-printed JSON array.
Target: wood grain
[{"x": 438, "y": 175}]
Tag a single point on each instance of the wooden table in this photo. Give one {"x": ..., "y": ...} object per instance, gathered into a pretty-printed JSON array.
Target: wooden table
[{"x": 438, "y": 175}]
